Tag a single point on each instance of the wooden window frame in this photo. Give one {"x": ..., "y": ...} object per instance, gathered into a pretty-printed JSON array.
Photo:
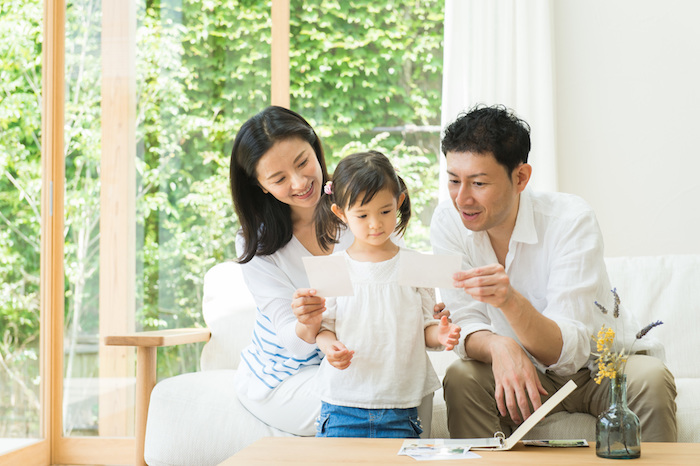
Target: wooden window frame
[{"x": 117, "y": 225}]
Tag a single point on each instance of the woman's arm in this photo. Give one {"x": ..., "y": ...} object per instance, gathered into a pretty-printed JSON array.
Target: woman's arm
[
  {"x": 270, "y": 280},
  {"x": 308, "y": 309}
]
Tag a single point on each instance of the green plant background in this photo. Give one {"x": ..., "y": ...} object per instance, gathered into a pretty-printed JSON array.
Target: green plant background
[{"x": 203, "y": 68}]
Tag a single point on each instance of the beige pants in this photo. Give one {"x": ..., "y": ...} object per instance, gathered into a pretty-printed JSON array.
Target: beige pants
[{"x": 651, "y": 393}]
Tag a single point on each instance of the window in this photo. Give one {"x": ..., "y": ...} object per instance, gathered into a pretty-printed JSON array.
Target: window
[
  {"x": 20, "y": 222},
  {"x": 368, "y": 75},
  {"x": 114, "y": 210}
]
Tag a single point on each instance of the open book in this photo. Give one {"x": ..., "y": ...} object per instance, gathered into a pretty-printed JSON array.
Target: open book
[{"x": 499, "y": 442}]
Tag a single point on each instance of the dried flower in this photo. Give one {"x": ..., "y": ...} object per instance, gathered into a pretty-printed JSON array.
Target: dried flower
[
  {"x": 616, "y": 298},
  {"x": 646, "y": 329},
  {"x": 610, "y": 362},
  {"x": 616, "y": 301},
  {"x": 601, "y": 307}
]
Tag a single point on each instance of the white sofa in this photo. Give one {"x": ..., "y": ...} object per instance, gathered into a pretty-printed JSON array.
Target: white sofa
[{"x": 195, "y": 418}]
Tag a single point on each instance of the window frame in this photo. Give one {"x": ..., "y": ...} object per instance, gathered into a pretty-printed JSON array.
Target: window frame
[{"x": 116, "y": 297}]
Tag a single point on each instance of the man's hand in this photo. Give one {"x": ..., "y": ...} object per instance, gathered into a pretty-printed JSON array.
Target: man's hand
[
  {"x": 448, "y": 333},
  {"x": 308, "y": 309},
  {"x": 488, "y": 284},
  {"x": 537, "y": 333},
  {"x": 338, "y": 355},
  {"x": 517, "y": 383}
]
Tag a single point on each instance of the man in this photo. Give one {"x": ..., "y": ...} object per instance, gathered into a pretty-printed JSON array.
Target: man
[{"x": 532, "y": 269}]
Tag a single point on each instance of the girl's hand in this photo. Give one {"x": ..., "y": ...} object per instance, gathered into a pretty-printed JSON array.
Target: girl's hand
[
  {"x": 307, "y": 307},
  {"x": 338, "y": 355},
  {"x": 448, "y": 333},
  {"x": 439, "y": 311}
]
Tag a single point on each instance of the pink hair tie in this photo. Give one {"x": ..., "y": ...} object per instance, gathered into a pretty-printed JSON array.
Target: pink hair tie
[{"x": 328, "y": 188}]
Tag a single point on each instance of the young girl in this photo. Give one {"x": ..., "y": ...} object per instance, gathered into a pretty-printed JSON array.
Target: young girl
[{"x": 376, "y": 370}]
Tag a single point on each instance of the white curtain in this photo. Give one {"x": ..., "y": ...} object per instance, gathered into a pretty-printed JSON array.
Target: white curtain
[{"x": 501, "y": 52}]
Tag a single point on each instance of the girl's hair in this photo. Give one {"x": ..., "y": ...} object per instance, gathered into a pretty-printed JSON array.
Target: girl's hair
[
  {"x": 358, "y": 178},
  {"x": 266, "y": 222}
]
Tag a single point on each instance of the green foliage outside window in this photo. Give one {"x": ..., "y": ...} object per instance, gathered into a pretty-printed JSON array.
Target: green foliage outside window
[
  {"x": 203, "y": 68},
  {"x": 20, "y": 214}
]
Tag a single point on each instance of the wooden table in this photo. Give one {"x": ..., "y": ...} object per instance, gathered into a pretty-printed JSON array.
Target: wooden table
[{"x": 354, "y": 451}]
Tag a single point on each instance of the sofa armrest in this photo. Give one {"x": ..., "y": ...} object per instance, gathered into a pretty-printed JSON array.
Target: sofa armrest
[
  {"x": 158, "y": 338},
  {"x": 146, "y": 344}
]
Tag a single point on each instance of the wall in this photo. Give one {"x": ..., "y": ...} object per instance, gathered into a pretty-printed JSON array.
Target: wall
[{"x": 627, "y": 76}]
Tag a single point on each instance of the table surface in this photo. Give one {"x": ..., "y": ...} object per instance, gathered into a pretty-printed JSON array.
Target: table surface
[{"x": 355, "y": 451}]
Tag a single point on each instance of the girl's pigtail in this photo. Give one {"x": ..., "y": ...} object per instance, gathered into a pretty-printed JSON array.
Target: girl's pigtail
[
  {"x": 327, "y": 223},
  {"x": 404, "y": 212}
]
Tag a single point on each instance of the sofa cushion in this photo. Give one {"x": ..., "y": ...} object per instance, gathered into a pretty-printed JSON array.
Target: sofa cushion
[
  {"x": 196, "y": 418},
  {"x": 688, "y": 414}
]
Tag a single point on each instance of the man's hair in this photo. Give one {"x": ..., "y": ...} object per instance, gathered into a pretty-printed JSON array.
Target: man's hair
[{"x": 493, "y": 130}]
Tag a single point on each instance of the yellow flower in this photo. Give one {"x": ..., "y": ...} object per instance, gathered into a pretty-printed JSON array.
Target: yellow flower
[{"x": 610, "y": 362}]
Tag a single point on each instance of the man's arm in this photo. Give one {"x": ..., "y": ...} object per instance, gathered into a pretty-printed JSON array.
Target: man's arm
[
  {"x": 514, "y": 374},
  {"x": 538, "y": 334}
]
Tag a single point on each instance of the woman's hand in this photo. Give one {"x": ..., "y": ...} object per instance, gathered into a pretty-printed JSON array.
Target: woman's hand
[{"x": 308, "y": 309}]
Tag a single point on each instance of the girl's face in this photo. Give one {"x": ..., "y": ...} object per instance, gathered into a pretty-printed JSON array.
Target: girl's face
[
  {"x": 374, "y": 222},
  {"x": 291, "y": 173}
]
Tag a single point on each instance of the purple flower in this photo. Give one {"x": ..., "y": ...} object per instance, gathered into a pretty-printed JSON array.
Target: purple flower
[
  {"x": 601, "y": 307},
  {"x": 646, "y": 329},
  {"x": 616, "y": 311}
]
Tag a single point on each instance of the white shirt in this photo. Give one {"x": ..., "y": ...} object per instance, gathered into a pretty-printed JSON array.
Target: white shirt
[
  {"x": 383, "y": 323},
  {"x": 555, "y": 260}
]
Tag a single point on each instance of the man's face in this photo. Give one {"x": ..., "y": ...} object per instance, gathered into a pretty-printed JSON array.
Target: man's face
[{"x": 485, "y": 196}]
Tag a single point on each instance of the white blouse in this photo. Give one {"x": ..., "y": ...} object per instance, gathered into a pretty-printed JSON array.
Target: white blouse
[{"x": 383, "y": 323}]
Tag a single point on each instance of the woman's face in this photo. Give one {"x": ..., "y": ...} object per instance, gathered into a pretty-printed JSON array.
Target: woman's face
[{"x": 291, "y": 173}]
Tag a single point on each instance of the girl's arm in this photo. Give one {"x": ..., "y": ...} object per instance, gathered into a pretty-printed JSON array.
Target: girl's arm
[
  {"x": 336, "y": 353},
  {"x": 445, "y": 333}
]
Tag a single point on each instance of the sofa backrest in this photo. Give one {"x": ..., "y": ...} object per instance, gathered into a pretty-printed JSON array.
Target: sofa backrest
[
  {"x": 229, "y": 312},
  {"x": 653, "y": 288},
  {"x": 665, "y": 288}
]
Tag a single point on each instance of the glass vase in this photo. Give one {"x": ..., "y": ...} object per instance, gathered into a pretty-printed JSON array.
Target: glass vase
[{"x": 618, "y": 434}]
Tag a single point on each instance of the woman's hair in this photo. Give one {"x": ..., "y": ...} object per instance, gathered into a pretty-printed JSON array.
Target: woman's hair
[
  {"x": 266, "y": 222},
  {"x": 358, "y": 178}
]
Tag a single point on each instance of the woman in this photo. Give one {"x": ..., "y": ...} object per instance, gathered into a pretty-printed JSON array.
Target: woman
[{"x": 277, "y": 176}]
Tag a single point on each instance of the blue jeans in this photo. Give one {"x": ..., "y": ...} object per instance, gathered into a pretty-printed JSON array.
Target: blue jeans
[{"x": 342, "y": 421}]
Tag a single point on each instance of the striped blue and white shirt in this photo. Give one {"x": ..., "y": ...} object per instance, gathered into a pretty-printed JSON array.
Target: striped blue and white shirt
[{"x": 276, "y": 352}]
